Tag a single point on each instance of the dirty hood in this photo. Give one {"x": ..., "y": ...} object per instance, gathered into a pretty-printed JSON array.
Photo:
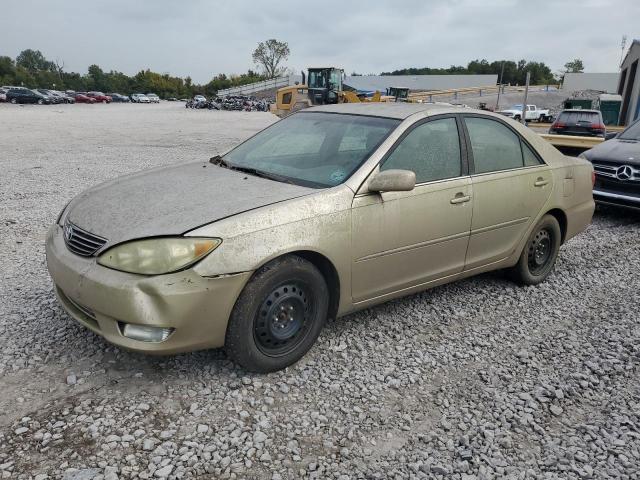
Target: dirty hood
[
  {"x": 172, "y": 200},
  {"x": 626, "y": 152}
]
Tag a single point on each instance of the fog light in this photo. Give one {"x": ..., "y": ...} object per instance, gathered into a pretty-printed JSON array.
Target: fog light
[{"x": 144, "y": 333}]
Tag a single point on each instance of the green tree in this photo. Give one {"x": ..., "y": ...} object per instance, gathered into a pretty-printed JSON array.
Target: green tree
[
  {"x": 269, "y": 55},
  {"x": 574, "y": 66},
  {"x": 34, "y": 61},
  {"x": 7, "y": 67}
]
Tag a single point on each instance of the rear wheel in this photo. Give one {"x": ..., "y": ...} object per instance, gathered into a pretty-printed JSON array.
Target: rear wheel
[
  {"x": 40, "y": 101},
  {"x": 14, "y": 100},
  {"x": 278, "y": 316},
  {"x": 540, "y": 252}
]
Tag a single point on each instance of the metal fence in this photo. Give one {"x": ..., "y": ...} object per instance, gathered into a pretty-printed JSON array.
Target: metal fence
[{"x": 255, "y": 87}]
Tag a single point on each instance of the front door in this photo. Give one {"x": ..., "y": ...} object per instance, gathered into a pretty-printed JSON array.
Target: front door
[{"x": 405, "y": 239}]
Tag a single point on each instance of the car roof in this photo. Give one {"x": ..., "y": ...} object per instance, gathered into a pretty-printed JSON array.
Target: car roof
[{"x": 399, "y": 110}]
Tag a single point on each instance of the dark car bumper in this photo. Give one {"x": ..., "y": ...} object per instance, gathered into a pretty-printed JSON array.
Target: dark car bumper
[{"x": 618, "y": 199}]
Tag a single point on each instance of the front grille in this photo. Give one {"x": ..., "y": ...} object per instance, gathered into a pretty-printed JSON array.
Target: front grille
[
  {"x": 610, "y": 170},
  {"x": 80, "y": 241}
]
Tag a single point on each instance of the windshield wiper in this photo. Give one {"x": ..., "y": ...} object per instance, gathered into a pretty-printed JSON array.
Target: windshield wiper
[{"x": 218, "y": 160}]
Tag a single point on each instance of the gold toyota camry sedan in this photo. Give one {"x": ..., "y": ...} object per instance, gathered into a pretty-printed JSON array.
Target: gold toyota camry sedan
[{"x": 328, "y": 211}]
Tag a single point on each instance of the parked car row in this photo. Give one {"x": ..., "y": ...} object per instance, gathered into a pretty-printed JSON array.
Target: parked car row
[
  {"x": 40, "y": 96},
  {"x": 43, "y": 96}
]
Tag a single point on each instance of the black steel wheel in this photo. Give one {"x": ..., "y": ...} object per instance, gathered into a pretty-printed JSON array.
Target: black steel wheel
[
  {"x": 540, "y": 252},
  {"x": 283, "y": 319},
  {"x": 278, "y": 316}
]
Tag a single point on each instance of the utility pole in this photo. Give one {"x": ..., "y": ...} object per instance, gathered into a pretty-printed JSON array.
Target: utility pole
[
  {"x": 500, "y": 85},
  {"x": 622, "y": 45},
  {"x": 524, "y": 103}
]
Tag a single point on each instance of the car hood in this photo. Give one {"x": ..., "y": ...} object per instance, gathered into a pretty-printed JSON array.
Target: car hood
[
  {"x": 625, "y": 152},
  {"x": 173, "y": 200}
]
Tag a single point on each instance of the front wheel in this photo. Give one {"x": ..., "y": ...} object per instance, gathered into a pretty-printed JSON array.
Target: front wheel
[
  {"x": 14, "y": 101},
  {"x": 278, "y": 316},
  {"x": 540, "y": 252}
]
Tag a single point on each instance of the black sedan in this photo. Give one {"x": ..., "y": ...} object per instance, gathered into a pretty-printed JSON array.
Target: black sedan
[
  {"x": 24, "y": 95},
  {"x": 616, "y": 163}
]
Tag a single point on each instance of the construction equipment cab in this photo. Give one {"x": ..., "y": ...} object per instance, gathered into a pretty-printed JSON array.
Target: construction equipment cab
[
  {"x": 398, "y": 94},
  {"x": 324, "y": 85}
]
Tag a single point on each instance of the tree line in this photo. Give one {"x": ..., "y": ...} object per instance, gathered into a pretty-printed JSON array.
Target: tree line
[
  {"x": 514, "y": 72},
  {"x": 32, "y": 69}
]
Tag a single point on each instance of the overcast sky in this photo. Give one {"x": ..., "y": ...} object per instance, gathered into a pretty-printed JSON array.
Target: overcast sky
[{"x": 201, "y": 38}]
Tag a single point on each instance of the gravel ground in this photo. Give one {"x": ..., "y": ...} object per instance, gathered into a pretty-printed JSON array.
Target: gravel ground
[{"x": 477, "y": 379}]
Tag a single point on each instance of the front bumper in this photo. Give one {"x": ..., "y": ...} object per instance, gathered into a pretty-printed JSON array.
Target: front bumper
[
  {"x": 616, "y": 199},
  {"x": 103, "y": 300}
]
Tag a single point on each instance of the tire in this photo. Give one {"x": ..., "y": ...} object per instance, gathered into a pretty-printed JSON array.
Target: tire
[
  {"x": 539, "y": 254},
  {"x": 14, "y": 101},
  {"x": 516, "y": 118},
  {"x": 278, "y": 316},
  {"x": 40, "y": 102}
]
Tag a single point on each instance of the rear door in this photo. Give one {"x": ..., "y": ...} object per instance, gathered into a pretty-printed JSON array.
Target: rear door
[{"x": 511, "y": 184}]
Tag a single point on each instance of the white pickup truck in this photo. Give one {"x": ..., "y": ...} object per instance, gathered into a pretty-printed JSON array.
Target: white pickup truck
[{"x": 531, "y": 113}]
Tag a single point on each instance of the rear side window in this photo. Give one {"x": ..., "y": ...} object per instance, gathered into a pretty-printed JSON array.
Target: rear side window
[
  {"x": 431, "y": 151},
  {"x": 579, "y": 117},
  {"x": 530, "y": 158},
  {"x": 495, "y": 147}
]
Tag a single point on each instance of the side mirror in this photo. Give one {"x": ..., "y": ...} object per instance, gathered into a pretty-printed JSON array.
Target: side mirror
[
  {"x": 610, "y": 135},
  {"x": 393, "y": 181}
]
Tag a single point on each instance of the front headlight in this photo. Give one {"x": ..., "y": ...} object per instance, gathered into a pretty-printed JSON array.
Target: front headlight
[{"x": 156, "y": 256}]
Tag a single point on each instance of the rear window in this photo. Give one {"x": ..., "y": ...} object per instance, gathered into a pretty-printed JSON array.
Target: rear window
[{"x": 579, "y": 117}]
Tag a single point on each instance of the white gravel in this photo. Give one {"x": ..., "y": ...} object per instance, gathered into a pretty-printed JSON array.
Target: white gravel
[{"x": 480, "y": 379}]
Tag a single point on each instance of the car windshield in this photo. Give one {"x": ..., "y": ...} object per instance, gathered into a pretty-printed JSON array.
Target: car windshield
[
  {"x": 312, "y": 149},
  {"x": 632, "y": 132}
]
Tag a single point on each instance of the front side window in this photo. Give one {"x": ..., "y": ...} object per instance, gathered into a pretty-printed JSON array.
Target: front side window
[
  {"x": 431, "y": 151},
  {"x": 495, "y": 147},
  {"x": 313, "y": 149},
  {"x": 317, "y": 79}
]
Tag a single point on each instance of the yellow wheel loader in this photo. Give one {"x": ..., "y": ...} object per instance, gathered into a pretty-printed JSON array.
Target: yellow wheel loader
[{"x": 324, "y": 87}]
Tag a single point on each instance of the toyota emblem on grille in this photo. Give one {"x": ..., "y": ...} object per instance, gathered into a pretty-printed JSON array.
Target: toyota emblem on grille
[
  {"x": 68, "y": 232},
  {"x": 624, "y": 172}
]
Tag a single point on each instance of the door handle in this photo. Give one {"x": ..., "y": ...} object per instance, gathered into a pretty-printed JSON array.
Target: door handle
[
  {"x": 540, "y": 182},
  {"x": 460, "y": 198}
]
